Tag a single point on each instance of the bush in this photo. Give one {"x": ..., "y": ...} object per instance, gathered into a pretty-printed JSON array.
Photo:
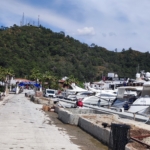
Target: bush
[{"x": 2, "y": 88}]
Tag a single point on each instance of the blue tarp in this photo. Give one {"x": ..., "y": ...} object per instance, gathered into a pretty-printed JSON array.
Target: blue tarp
[{"x": 29, "y": 83}]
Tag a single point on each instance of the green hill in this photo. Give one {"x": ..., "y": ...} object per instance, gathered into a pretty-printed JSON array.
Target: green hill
[{"x": 27, "y": 47}]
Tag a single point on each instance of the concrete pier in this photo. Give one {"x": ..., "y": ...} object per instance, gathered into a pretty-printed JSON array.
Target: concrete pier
[
  {"x": 23, "y": 125},
  {"x": 72, "y": 115}
]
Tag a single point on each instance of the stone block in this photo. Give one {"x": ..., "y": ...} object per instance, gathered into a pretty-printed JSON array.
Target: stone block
[{"x": 39, "y": 94}]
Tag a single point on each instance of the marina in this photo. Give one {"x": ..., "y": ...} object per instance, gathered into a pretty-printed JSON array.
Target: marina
[
  {"x": 74, "y": 75},
  {"x": 94, "y": 110}
]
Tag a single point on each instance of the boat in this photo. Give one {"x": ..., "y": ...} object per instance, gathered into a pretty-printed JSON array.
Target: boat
[
  {"x": 126, "y": 96},
  {"x": 78, "y": 95},
  {"x": 106, "y": 97},
  {"x": 142, "y": 104},
  {"x": 70, "y": 94},
  {"x": 112, "y": 81}
]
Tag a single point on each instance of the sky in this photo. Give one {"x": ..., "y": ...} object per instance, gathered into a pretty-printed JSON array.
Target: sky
[{"x": 113, "y": 24}]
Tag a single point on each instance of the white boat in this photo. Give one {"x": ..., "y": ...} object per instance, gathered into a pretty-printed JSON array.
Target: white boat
[
  {"x": 112, "y": 81},
  {"x": 106, "y": 97},
  {"x": 78, "y": 95},
  {"x": 142, "y": 104},
  {"x": 91, "y": 100},
  {"x": 126, "y": 96},
  {"x": 71, "y": 93},
  {"x": 100, "y": 90}
]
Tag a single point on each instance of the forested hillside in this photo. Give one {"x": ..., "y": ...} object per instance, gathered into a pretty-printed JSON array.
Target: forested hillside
[{"x": 27, "y": 47}]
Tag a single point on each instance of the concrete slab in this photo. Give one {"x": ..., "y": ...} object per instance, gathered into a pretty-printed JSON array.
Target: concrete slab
[
  {"x": 71, "y": 115},
  {"x": 97, "y": 131},
  {"x": 24, "y": 125}
]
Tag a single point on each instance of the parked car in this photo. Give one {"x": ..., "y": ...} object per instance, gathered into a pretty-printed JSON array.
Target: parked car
[{"x": 50, "y": 93}]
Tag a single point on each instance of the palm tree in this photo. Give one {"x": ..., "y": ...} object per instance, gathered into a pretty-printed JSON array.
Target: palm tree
[
  {"x": 67, "y": 83},
  {"x": 9, "y": 74},
  {"x": 50, "y": 79},
  {"x": 73, "y": 79},
  {"x": 35, "y": 74},
  {"x": 5, "y": 76},
  {"x": 2, "y": 74},
  {"x": 70, "y": 80}
]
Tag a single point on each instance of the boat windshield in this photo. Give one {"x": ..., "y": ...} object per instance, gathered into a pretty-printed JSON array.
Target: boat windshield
[
  {"x": 50, "y": 92},
  {"x": 118, "y": 102}
]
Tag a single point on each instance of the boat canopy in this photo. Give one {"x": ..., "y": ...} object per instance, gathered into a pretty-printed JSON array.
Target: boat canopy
[
  {"x": 146, "y": 89},
  {"x": 29, "y": 83},
  {"x": 122, "y": 90}
]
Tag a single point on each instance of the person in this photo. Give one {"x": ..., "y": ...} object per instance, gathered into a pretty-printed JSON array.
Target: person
[
  {"x": 79, "y": 103},
  {"x": 99, "y": 102},
  {"x": 124, "y": 83}
]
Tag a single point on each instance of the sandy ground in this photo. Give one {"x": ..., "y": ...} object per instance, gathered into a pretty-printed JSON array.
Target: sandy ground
[{"x": 23, "y": 125}]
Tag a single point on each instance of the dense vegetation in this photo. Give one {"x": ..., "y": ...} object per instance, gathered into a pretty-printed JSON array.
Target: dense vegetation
[{"x": 27, "y": 47}]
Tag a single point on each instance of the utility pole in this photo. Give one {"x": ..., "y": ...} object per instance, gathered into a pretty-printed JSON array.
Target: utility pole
[
  {"x": 23, "y": 20},
  {"x": 38, "y": 20}
]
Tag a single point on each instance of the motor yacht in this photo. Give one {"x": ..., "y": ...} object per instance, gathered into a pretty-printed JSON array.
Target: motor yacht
[
  {"x": 126, "y": 96},
  {"x": 142, "y": 104},
  {"x": 106, "y": 97}
]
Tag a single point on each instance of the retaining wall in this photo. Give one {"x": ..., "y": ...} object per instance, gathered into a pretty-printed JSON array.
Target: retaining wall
[
  {"x": 74, "y": 116},
  {"x": 71, "y": 115},
  {"x": 99, "y": 132},
  {"x": 57, "y": 108},
  {"x": 67, "y": 117}
]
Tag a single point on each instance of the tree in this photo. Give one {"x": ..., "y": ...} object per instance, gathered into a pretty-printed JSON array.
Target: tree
[
  {"x": 2, "y": 74},
  {"x": 70, "y": 80},
  {"x": 5, "y": 76},
  {"x": 35, "y": 74},
  {"x": 62, "y": 33},
  {"x": 123, "y": 50},
  {"x": 92, "y": 45},
  {"x": 73, "y": 79},
  {"x": 50, "y": 79}
]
